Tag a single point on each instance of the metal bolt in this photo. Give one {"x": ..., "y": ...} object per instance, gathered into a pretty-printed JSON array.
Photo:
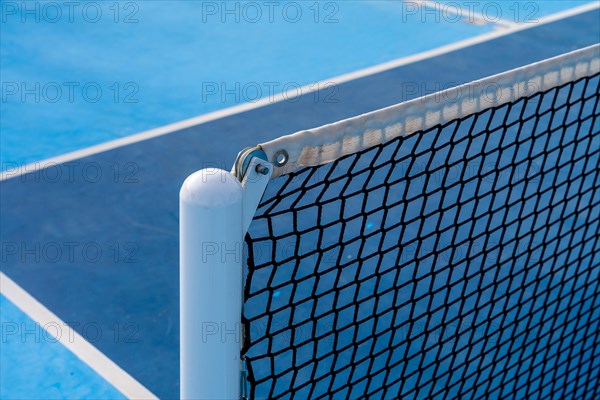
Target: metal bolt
[{"x": 261, "y": 169}]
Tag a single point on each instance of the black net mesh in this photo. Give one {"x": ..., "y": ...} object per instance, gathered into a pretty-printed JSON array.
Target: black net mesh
[{"x": 458, "y": 262}]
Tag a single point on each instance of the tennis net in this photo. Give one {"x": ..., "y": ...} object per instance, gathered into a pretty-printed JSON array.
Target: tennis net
[{"x": 445, "y": 247}]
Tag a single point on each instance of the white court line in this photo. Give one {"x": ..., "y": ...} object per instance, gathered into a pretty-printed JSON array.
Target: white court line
[
  {"x": 36, "y": 166},
  {"x": 83, "y": 349}
]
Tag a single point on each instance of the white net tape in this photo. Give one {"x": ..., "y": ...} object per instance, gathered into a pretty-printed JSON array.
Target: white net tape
[{"x": 330, "y": 142}]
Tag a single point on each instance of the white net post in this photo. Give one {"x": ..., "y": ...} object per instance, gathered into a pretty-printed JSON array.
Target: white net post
[
  {"x": 210, "y": 285},
  {"x": 215, "y": 212}
]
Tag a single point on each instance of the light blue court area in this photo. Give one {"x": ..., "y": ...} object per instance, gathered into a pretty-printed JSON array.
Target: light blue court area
[
  {"x": 34, "y": 365},
  {"x": 75, "y": 77},
  {"x": 82, "y": 73}
]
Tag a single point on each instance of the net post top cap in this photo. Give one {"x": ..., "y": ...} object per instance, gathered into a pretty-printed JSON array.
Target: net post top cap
[{"x": 211, "y": 187}]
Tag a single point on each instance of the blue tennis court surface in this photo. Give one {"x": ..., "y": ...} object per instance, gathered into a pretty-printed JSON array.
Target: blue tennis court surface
[
  {"x": 37, "y": 366},
  {"x": 95, "y": 240}
]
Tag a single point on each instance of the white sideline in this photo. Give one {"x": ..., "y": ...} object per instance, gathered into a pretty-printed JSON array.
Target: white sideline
[
  {"x": 74, "y": 342},
  {"x": 99, "y": 148}
]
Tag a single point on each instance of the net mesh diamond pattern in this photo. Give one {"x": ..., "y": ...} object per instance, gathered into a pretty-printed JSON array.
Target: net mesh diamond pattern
[{"x": 458, "y": 262}]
